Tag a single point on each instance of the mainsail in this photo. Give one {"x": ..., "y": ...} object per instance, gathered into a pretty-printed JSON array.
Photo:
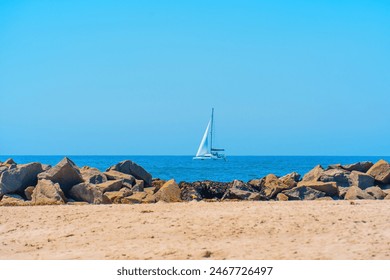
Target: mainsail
[{"x": 204, "y": 144}]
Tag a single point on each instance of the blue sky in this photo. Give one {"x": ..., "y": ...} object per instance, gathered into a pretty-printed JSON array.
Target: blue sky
[{"x": 140, "y": 77}]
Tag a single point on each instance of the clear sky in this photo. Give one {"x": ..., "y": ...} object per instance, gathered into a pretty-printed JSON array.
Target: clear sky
[{"x": 140, "y": 77}]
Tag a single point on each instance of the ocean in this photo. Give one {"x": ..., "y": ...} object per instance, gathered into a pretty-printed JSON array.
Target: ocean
[{"x": 183, "y": 168}]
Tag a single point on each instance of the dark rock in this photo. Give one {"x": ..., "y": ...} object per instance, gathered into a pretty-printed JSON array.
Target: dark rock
[
  {"x": 65, "y": 173},
  {"x": 116, "y": 175},
  {"x": 129, "y": 167},
  {"x": 380, "y": 171},
  {"x": 362, "y": 166},
  {"x": 256, "y": 184},
  {"x": 314, "y": 174},
  {"x": 203, "y": 190},
  {"x": 242, "y": 191},
  {"x": 19, "y": 178},
  {"x": 88, "y": 193},
  {"x": 355, "y": 193},
  {"x": 329, "y": 188},
  {"x": 334, "y": 166},
  {"x": 138, "y": 186},
  {"x": 303, "y": 193},
  {"x": 93, "y": 175},
  {"x": 376, "y": 192},
  {"x": 47, "y": 193},
  {"x": 9, "y": 161},
  {"x": 361, "y": 180},
  {"x": 339, "y": 176}
]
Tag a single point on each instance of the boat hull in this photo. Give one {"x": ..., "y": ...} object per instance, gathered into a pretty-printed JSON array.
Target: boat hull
[{"x": 209, "y": 158}]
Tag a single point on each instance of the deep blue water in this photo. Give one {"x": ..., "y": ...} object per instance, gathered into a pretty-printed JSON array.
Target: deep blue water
[{"x": 183, "y": 168}]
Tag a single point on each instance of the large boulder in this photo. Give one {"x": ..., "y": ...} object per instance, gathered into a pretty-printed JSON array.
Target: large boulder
[
  {"x": 129, "y": 167},
  {"x": 47, "y": 193},
  {"x": 93, "y": 175},
  {"x": 376, "y": 192},
  {"x": 290, "y": 179},
  {"x": 89, "y": 193},
  {"x": 242, "y": 191},
  {"x": 110, "y": 186},
  {"x": 314, "y": 174},
  {"x": 272, "y": 186},
  {"x": 139, "y": 197},
  {"x": 18, "y": 178},
  {"x": 303, "y": 193},
  {"x": 116, "y": 175},
  {"x": 329, "y": 188},
  {"x": 339, "y": 176},
  {"x": 169, "y": 192},
  {"x": 361, "y": 180},
  {"x": 362, "y": 166},
  {"x": 65, "y": 173},
  {"x": 355, "y": 193},
  {"x": 188, "y": 191},
  {"x": 380, "y": 171}
]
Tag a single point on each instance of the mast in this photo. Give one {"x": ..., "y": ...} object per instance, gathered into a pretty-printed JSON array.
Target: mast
[{"x": 211, "y": 130}]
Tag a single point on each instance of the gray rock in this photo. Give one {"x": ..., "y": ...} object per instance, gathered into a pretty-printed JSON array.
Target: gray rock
[
  {"x": 47, "y": 193},
  {"x": 362, "y": 166},
  {"x": 203, "y": 190},
  {"x": 138, "y": 186},
  {"x": 355, "y": 193},
  {"x": 242, "y": 191},
  {"x": 89, "y": 193},
  {"x": 93, "y": 175},
  {"x": 65, "y": 173},
  {"x": 129, "y": 167},
  {"x": 361, "y": 180},
  {"x": 380, "y": 171},
  {"x": 376, "y": 192},
  {"x": 339, "y": 176},
  {"x": 256, "y": 184},
  {"x": 329, "y": 188},
  {"x": 19, "y": 178},
  {"x": 116, "y": 175},
  {"x": 303, "y": 193},
  {"x": 110, "y": 186},
  {"x": 9, "y": 161}
]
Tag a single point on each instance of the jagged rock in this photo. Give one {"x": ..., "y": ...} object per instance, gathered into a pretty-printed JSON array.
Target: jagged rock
[
  {"x": 272, "y": 186},
  {"x": 115, "y": 197},
  {"x": 189, "y": 192},
  {"x": 116, "y": 175},
  {"x": 303, "y": 193},
  {"x": 46, "y": 167},
  {"x": 13, "y": 200},
  {"x": 9, "y": 161},
  {"x": 290, "y": 179},
  {"x": 314, "y": 174},
  {"x": 376, "y": 192},
  {"x": 339, "y": 176},
  {"x": 18, "y": 178},
  {"x": 354, "y": 193},
  {"x": 329, "y": 188},
  {"x": 362, "y": 166},
  {"x": 169, "y": 192},
  {"x": 65, "y": 173},
  {"x": 380, "y": 171},
  {"x": 203, "y": 190},
  {"x": 281, "y": 197},
  {"x": 242, "y": 191},
  {"x": 361, "y": 180},
  {"x": 47, "y": 193},
  {"x": 110, "y": 186},
  {"x": 93, "y": 175},
  {"x": 89, "y": 193},
  {"x": 28, "y": 192},
  {"x": 342, "y": 192},
  {"x": 157, "y": 183},
  {"x": 256, "y": 184},
  {"x": 129, "y": 167},
  {"x": 138, "y": 186}
]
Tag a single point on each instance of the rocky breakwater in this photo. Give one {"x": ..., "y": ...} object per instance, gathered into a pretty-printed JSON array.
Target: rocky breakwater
[{"x": 129, "y": 183}]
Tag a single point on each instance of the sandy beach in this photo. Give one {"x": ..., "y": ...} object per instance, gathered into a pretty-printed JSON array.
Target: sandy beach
[{"x": 199, "y": 230}]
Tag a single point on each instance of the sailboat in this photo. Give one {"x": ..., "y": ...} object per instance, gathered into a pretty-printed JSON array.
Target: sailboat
[{"x": 206, "y": 149}]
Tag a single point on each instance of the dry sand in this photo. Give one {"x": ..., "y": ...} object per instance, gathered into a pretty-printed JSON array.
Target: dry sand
[{"x": 198, "y": 230}]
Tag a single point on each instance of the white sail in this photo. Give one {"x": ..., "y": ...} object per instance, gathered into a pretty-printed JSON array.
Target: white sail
[{"x": 204, "y": 144}]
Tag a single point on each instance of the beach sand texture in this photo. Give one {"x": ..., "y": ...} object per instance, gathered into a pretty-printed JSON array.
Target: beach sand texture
[{"x": 199, "y": 230}]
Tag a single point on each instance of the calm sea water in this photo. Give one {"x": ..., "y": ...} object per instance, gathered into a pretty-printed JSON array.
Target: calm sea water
[{"x": 183, "y": 168}]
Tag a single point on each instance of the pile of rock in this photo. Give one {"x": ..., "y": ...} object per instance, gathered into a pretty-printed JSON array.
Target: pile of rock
[{"x": 128, "y": 183}]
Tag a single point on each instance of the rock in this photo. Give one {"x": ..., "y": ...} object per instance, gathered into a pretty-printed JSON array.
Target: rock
[
  {"x": 93, "y": 175},
  {"x": 110, "y": 186},
  {"x": 314, "y": 174},
  {"x": 47, "y": 193},
  {"x": 242, "y": 191},
  {"x": 131, "y": 168},
  {"x": 89, "y": 193},
  {"x": 115, "y": 197},
  {"x": 342, "y": 192},
  {"x": 13, "y": 200},
  {"x": 3, "y": 168},
  {"x": 256, "y": 184},
  {"x": 116, "y": 175},
  {"x": 203, "y": 190},
  {"x": 380, "y": 171},
  {"x": 28, "y": 192},
  {"x": 387, "y": 191},
  {"x": 272, "y": 186},
  {"x": 19, "y": 178},
  {"x": 303, "y": 193},
  {"x": 139, "y": 186},
  {"x": 136, "y": 198},
  {"x": 387, "y": 197},
  {"x": 376, "y": 192},
  {"x": 329, "y": 188},
  {"x": 339, "y": 176},
  {"x": 334, "y": 166},
  {"x": 291, "y": 179},
  {"x": 9, "y": 161},
  {"x": 281, "y": 197},
  {"x": 46, "y": 167},
  {"x": 65, "y": 173},
  {"x": 157, "y": 183},
  {"x": 189, "y": 191},
  {"x": 362, "y": 166},
  {"x": 169, "y": 192},
  {"x": 361, "y": 180},
  {"x": 354, "y": 193}
]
